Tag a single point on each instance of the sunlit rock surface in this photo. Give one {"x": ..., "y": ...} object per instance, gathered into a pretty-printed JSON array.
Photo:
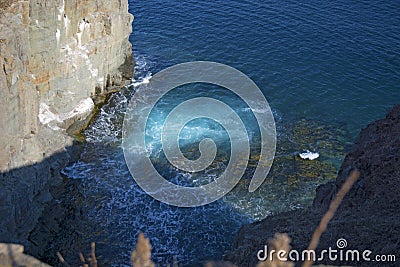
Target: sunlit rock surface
[{"x": 13, "y": 255}]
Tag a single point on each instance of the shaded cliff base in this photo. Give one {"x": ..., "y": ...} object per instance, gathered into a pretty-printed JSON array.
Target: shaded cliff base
[
  {"x": 29, "y": 187},
  {"x": 368, "y": 217},
  {"x": 40, "y": 214}
]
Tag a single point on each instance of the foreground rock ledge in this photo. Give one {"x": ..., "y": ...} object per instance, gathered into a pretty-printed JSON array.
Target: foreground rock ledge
[
  {"x": 369, "y": 215},
  {"x": 13, "y": 255}
]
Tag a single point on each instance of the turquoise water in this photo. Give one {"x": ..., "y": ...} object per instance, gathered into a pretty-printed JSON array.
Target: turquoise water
[
  {"x": 330, "y": 63},
  {"x": 327, "y": 60}
]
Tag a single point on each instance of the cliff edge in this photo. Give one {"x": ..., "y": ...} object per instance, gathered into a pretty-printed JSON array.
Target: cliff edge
[
  {"x": 368, "y": 218},
  {"x": 55, "y": 57}
]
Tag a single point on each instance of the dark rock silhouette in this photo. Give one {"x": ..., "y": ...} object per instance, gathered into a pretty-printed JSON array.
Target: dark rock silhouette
[{"x": 368, "y": 217}]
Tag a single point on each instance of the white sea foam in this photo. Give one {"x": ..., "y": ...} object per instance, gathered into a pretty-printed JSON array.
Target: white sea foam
[
  {"x": 77, "y": 170},
  {"x": 309, "y": 155},
  {"x": 141, "y": 81}
]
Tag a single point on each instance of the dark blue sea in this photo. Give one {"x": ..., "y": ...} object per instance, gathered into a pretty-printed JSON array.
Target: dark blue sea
[{"x": 327, "y": 69}]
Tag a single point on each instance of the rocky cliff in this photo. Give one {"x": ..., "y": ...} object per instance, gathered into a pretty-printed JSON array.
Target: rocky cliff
[
  {"x": 368, "y": 217},
  {"x": 55, "y": 56}
]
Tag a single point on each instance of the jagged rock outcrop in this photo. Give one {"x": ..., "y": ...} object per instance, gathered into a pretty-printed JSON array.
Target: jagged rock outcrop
[
  {"x": 368, "y": 217},
  {"x": 55, "y": 56}
]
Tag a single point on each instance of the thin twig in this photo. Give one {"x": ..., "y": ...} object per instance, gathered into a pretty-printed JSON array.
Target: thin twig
[
  {"x": 62, "y": 260},
  {"x": 93, "y": 260},
  {"x": 330, "y": 213},
  {"x": 175, "y": 261},
  {"x": 82, "y": 258}
]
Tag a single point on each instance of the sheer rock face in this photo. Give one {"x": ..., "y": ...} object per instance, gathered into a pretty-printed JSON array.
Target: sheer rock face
[{"x": 55, "y": 55}]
